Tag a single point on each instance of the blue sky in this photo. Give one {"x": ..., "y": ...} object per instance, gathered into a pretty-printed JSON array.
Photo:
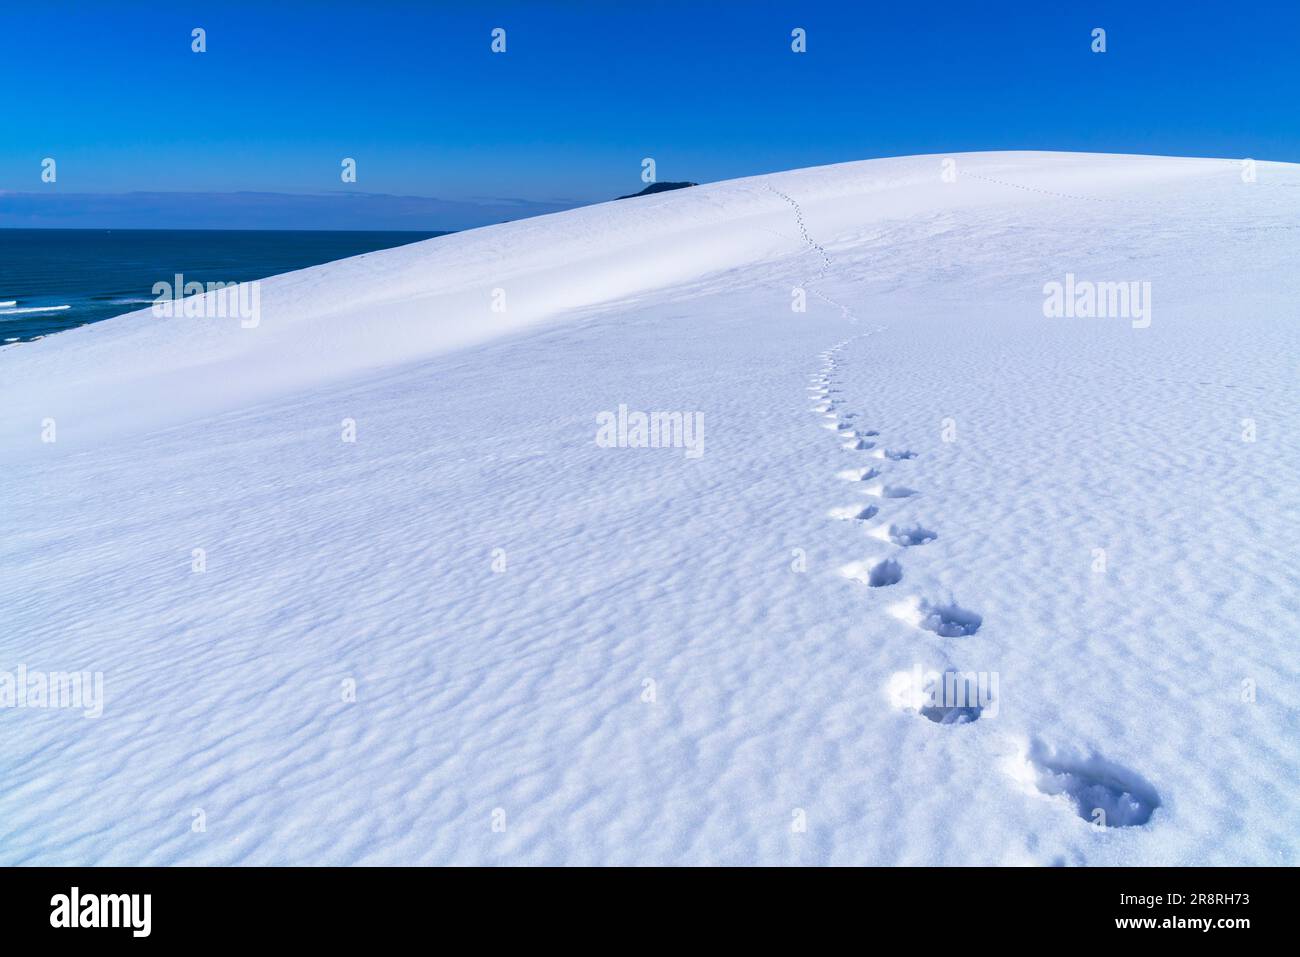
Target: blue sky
[{"x": 413, "y": 92}]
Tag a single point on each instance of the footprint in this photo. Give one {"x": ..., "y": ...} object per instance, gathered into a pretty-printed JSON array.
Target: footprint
[
  {"x": 859, "y": 445},
  {"x": 952, "y": 714},
  {"x": 890, "y": 491},
  {"x": 871, "y": 433},
  {"x": 905, "y": 535},
  {"x": 857, "y": 475},
  {"x": 853, "y": 512},
  {"x": 874, "y": 574},
  {"x": 894, "y": 455},
  {"x": 878, "y": 575},
  {"x": 1102, "y": 792},
  {"x": 948, "y": 697},
  {"x": 947, "y": 620}
]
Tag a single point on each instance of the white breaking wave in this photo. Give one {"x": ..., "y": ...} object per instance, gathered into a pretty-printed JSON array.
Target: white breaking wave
[{"x": 24, "y": 311}]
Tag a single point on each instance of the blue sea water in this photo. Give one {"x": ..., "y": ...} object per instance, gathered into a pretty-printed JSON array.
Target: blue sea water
[{"x": 56, "y": 279}]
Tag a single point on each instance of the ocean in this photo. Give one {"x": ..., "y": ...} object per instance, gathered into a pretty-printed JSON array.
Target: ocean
[{"x": 56, "y": 279}]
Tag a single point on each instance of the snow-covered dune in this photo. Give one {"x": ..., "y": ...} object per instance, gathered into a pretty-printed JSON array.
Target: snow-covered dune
[{"x": 477, "y": 634}]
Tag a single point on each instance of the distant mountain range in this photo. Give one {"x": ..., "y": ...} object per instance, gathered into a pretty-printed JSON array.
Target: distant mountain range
[
  {"x": 658, "y": 188},
  {"x": 338, "y": 210}
]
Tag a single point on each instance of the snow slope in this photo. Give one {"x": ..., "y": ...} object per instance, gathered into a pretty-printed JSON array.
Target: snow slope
[{"x": 566, "y": 653}]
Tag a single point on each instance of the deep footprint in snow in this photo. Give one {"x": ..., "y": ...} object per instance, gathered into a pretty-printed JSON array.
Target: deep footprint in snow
[
  {"x": 895, "y": 455},
  {"x": 952, "y": 714},
  {"x": 856, "y": 513},
  {"x": 945, "y": 619},
  {"x": 905, "y": 535},
  {"x": 1103, "y": 792},
  {"x": 888, "y": 572},
  {"x": 859, "y": 445},
  {"x": 858, "y": 475},
  {"x": 948, "y": 697},
  {"x": 874, "y": 574}
]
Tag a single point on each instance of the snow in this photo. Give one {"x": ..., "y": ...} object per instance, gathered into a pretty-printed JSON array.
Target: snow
[{"x": 568, "y": 653}]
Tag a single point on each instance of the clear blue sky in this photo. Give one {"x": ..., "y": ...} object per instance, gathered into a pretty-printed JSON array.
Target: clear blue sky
[{"x": 586, "y": 89}]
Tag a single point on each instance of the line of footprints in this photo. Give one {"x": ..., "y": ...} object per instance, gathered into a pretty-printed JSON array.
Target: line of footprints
[
  {"x": 813, "y": 283},
  {"x": 945, "y": 619},
  {"x": 1103, "y": 793}
]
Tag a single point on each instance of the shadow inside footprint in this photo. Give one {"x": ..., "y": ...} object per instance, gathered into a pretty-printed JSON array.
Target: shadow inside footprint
[
  {"x": 945, "y": 620},
  {"x": 899, "y": 455},
  {"x": 948, "y": 697},
  {"x": 874, "y": 574},
  {"x": 909, "y": 535},
  {"x": 951, "y": 621},
  {"x": 1104, "y": 793},
  {"x": 952, "y": 713},
  {"x": 891, "y": 491},
  {"x": 888, "y": 572},
  {"x": 854, "y": 512},
  {"x": 859, "y": 475}
]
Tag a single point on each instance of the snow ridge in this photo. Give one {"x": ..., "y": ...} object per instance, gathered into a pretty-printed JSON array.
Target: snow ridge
[{"x": 814, "y": 281}]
